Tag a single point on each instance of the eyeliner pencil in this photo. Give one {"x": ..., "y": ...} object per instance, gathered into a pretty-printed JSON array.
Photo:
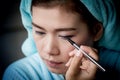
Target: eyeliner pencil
[{"x": 84, "y": 53}]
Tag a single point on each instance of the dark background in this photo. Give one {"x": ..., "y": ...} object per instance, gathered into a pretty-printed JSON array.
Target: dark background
[{"x": 12, "y": 33}]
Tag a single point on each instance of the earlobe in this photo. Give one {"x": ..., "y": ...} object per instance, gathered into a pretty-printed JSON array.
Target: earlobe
[{"x": 99, "y": 31}]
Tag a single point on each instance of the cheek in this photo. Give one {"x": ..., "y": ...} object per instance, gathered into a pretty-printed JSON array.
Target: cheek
[
  {"x": 39, "y": 46},
  {"x": 87, "y": 40},
  {"x": 66, "y": 49},
  {"x": 84, "y": 40},
  {"x": 37, "y": 41}
]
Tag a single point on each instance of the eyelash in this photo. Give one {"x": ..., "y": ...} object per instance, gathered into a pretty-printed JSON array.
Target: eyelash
[
  {"x": 39, "y": 32},
  {"x": 42, "y": 33},
  {"x": 69, "y": 36}
]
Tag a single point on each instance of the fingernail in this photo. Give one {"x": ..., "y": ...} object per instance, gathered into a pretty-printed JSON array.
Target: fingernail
[
  {"x": 66, "y": 64},
  {"x": 78, "y": 53},
  {"x": 70, "y": 54}
]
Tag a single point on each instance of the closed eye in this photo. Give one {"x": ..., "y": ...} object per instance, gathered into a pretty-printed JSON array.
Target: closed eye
[
  {"x": 39, "y": 32},
  {"x": 69, "y": 36}
]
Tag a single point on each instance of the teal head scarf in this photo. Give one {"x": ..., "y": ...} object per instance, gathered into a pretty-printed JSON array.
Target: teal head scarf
[{"x": 102, "y": 10}]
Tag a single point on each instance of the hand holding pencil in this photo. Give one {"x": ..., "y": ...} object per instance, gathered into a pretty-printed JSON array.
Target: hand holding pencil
[
  {"x": 82, "y": 64},
  {"x": 80, "y": 67}
]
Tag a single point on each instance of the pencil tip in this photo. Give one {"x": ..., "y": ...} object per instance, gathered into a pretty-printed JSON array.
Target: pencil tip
[
  {"x": 63, "y": 37},
  {"x": 68, "y": 39}
]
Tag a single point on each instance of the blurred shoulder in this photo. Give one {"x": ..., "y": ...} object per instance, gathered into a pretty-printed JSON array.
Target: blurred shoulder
[{"x": 25, "y": 68}]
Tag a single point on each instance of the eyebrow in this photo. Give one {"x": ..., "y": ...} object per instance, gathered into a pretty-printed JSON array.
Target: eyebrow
[
  {"x": 35, "y": 25},
  {"x": 59, "y": 29}
]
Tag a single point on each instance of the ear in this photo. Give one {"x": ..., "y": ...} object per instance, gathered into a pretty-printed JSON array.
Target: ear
[{"x": 98, "y": 31}]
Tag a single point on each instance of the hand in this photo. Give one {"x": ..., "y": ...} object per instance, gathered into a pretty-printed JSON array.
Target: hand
[{"x": 79, "y": 67}]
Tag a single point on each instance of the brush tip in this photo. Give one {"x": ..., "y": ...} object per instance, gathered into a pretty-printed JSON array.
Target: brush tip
[
  {"x": 68, "y": 39},
  {"x": 63, "y": 37}
]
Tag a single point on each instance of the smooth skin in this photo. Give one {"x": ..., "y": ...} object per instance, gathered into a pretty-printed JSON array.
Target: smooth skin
[{"x": 59, "y": 56}]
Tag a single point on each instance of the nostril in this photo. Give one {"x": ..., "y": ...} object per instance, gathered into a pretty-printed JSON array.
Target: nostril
[
  {"x": 53, "y": 53},
  {"x": 52, "y": 50}
]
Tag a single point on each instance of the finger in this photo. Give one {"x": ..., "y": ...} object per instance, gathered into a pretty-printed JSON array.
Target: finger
[
  {"x": 85, "y": 64},
  {"x": 69, "y": 62},
  {"x": 95, "y": 50},
  {"x": 75, "y": 63},
  {"x": 91, "y": 51},
  {"x": 72, "y": 53}
]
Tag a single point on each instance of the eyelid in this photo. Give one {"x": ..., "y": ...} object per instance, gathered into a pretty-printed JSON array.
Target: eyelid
[
  {"x": 69, "y": 36},
  {"x": 40, "y": 32}
]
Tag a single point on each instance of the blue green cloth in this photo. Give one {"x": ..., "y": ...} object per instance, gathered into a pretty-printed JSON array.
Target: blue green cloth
[
  {"x": 105, "y": 12},
  {"x": 30, "y": 68}
]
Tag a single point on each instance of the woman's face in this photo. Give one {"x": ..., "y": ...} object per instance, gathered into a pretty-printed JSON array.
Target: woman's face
[{"x": 48, "y": 25}]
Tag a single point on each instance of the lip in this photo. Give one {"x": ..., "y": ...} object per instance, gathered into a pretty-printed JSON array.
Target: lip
[{"x": 53, "y": 64}]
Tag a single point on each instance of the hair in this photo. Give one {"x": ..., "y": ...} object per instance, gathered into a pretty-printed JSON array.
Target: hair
[{"x": 73, "y": 6}]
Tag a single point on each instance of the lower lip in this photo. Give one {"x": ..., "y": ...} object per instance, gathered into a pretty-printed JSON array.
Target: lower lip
[{"x": 53, "y": 64}]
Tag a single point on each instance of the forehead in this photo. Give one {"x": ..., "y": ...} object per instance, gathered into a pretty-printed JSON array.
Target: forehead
[{"x": 54, "y": 16}]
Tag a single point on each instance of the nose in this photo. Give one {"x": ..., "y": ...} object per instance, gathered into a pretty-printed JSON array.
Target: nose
[{"x": 51, "y": 46}]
